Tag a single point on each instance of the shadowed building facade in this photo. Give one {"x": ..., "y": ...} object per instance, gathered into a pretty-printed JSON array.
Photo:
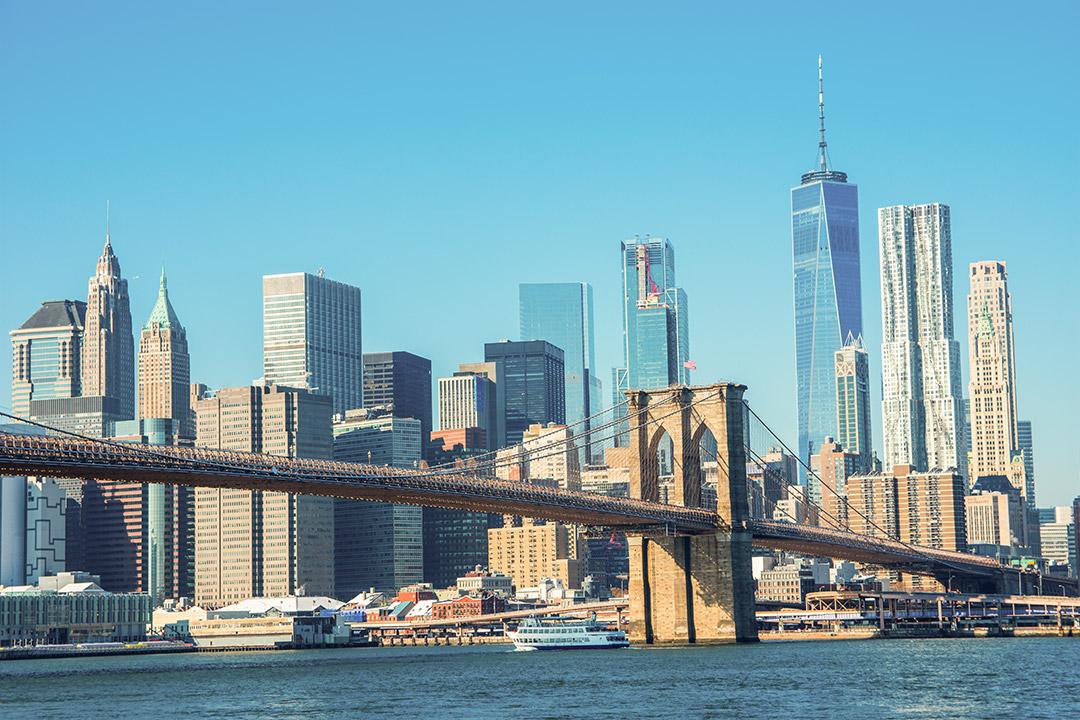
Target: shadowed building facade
[
  {"x": 377, "y": 545},
  {"x": 401, "y": 381},
  {"x": 257, "y": 543},
  {"x": 533, "y": 375}
]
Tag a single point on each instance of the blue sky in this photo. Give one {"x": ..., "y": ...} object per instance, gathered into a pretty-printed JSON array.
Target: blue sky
[{"x": 438, "y": 154}]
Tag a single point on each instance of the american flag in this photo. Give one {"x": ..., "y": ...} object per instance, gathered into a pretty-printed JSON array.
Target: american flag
[{"x": 690, "y": 365}]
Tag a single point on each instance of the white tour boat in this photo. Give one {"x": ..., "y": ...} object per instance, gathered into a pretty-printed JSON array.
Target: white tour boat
[{"x": 564, "y": 634}]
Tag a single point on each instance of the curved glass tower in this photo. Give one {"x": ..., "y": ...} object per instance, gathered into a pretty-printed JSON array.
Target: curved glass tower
[{"x": 828, "y": 296}]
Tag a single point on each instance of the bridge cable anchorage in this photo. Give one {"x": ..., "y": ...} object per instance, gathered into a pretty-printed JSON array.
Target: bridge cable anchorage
[
  {"x": 553, "y": 431},
  {"x": 914, "y": 548}
]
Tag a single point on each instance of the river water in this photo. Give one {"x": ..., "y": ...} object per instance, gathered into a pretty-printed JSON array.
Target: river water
[{"x": 967, "y": 678}]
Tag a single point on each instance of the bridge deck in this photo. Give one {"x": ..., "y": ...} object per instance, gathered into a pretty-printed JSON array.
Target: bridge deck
[
  {"x": 59, "y": 456},
  {"x": 62, "y": 456}
]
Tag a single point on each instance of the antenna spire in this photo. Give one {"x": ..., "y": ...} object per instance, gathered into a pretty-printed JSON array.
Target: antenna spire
[
  {"x": 107, "y": 223},
  {"x": 823, "y": 158}
]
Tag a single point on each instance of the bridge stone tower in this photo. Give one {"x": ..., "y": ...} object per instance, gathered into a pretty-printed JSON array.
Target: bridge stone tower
[{"x": 698, "y": 588}]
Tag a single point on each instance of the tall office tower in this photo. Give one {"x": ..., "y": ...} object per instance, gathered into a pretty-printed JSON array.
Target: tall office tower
[
  {"x": 32, "y": 529},
  {"x": 920, "y": 360},
  {"x": 108, "y": 347},
  {"x": 311, "y": 337},
  {"x": 535, "y": 384},
  {"x": 401, "y": 381},
  {"x": 45, "y": 354},
  {"x": 562, "y": 314},
  {"x": 140, "y": 536},
  {"x": 377, "y": 545},
  {"x": 165, "y": 366},
  {"x": 656, "y": 330},
  {"x": 1026, "y": 444},
  {"x": 853, "y": 401},
  {"x": 828, "y": 292},
  {"x": 490, "y": 370},
  {"x": 992, "y": 386},
  {"x": 468, "y": 400},
  {"x": 260, "y": 543}
]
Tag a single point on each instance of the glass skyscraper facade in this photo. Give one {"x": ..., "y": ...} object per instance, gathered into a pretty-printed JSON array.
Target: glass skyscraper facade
[
  {"x": 656, "y": 335},
  {"x": 46, "y": 360},
  {"x": 562, "y": 314},
  {"x": 828, "y": 293},
  {"x": 402, "y": 381},
  {"x": 311, "y": 337},
  {"x": 377, "y": 545},
  {"x": 535, "y": 384}
]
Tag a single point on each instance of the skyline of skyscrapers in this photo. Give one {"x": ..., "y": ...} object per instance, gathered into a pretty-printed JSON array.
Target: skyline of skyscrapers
[
  {"x": 311, "y": 337},
  {"x": 827, "y": 287},
  {"x": 920, "y": 366}
]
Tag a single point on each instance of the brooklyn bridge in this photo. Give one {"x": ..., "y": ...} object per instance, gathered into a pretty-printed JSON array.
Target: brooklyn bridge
[{"x": 691, "y": 575}]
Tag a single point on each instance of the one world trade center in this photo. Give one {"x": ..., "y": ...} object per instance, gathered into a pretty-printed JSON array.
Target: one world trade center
[{"x": 828, "y": 301}]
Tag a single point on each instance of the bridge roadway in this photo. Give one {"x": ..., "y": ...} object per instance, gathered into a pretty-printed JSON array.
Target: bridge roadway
[{"x": 65, "y": 456}]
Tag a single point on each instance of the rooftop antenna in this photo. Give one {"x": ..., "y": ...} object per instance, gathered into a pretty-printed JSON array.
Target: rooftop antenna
[
  {"x": 823, "y": 159},
  {"x": 106, "y": 222}
]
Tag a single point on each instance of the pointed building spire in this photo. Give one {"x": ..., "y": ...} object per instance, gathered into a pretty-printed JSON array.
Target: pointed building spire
[
  {"x": 108, "y": 243},
  {"x": 162, "y": 315},
  {"x": 823, "y": 157}
]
